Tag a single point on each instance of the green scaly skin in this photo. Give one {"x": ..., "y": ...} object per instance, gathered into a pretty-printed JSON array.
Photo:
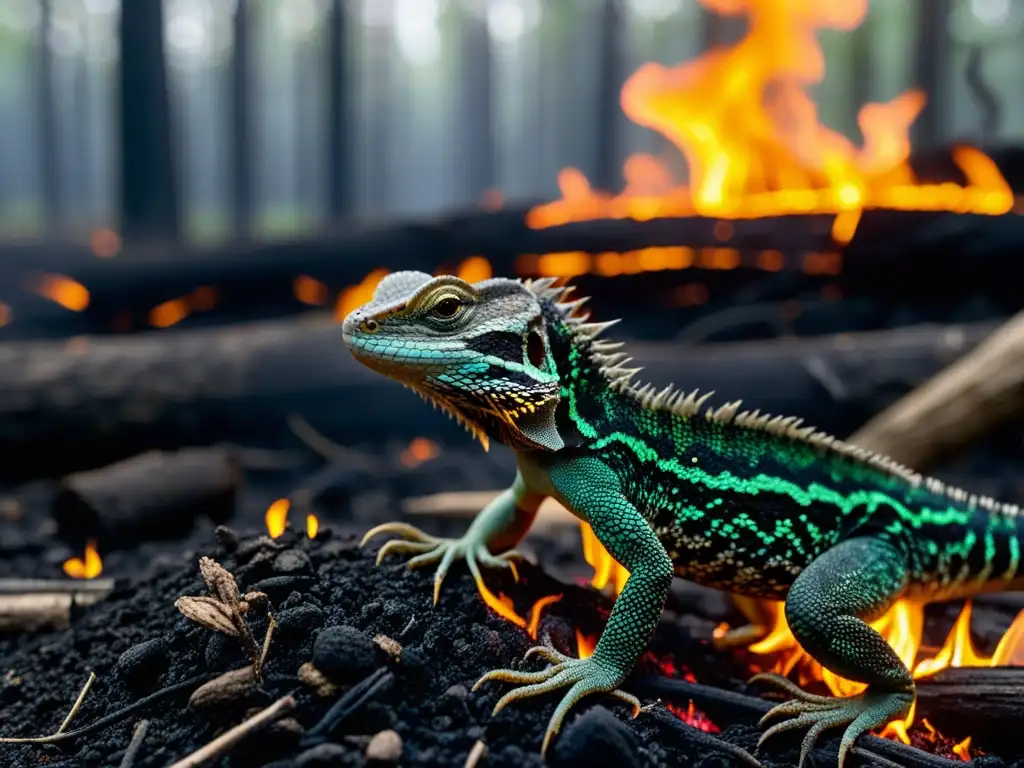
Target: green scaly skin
[{"x": 754, "y": 505}]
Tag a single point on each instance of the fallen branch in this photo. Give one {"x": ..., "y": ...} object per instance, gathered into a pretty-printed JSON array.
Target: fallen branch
[
  {"x": 37, "y": 610},
  {"x": 228, "y": 739},
  {"x": 62, "y": 731},
  {"x": 350, "y": 702},
  {"x": 65, "y": 407},
  {"x": 156, "y": 495},
  {"x": 103, "y": 587},
  {"x": 981, "y": 391},
  {"x": 982, "y": 702},
  {"x": 135, "y": 744}
]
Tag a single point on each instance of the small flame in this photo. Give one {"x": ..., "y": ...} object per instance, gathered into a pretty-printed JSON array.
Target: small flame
[
  {"x": 355, "y": 296},
  {"x": 64, "y": 291},
  {"x": 276, "y": 517},
  {"x": 88, "y": 567},
  {"x": 585, "y": 645},
  {"x": 419, "y": 450},
  {"x": 312, "y": 526},
  {"x": 533, "y": 624},
  {"x": 606, "y": 569},
  {"x": 202, "y": 299},
  {"x": 963, "y": 750},
  {"x": 501, "y": 605},
  {"x": 309, "y": 290}
]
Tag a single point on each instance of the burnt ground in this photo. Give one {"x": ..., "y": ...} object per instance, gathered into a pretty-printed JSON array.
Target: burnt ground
[{"x": 149, "y": 658}]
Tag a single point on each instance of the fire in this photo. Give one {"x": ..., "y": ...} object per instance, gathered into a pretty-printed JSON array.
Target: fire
[
  {"x": 174, "y": 311},
  {"x": 87, "y": 567},
  {"x": 312, "y": 526},
  {"x": 309, "y": 290},
  {"x": 474, "y": 269},
  {"x": 743, "y": 120},
  {"x": 357, "y": 295},
  {"x": 606, "y": 569},
  {"x": 585, "y": 645},
  {"x": 64, "y": 291},
  {"x": 276, "y": 517},
  {"x": 419, "y": 451}
]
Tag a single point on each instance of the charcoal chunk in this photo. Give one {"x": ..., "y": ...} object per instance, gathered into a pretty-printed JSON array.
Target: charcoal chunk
[
  {"x": 141, "y": 665},
  {"x": 344, "y": 654},
  {"x": 597, "y": 739}
]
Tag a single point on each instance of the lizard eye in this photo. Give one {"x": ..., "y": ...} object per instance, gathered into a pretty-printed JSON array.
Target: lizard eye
[{"x": 446, "y": 309}]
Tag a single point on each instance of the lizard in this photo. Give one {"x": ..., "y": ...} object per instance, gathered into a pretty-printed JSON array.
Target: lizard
[{"x": 759, "y": 506}]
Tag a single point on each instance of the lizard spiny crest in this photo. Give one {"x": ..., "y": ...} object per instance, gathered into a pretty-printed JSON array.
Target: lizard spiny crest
[{"x": 615, "y": 367}]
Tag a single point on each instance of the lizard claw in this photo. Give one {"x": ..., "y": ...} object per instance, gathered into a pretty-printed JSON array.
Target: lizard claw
[
  {"x": 585, "y": 676},
  {"x": 859, "y": 713},
  {"x": 431, "y": 550}
]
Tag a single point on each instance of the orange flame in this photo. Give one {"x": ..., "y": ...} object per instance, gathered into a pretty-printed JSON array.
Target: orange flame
[
  {"x": 64, "y": 291},
  {"x": 474, "y": 269},
  {"x": 312, "y": 526},
  {"x": 357, "y": 295},
  {"x": 88, "y": 567},
  {"x": 419, "y": 451},
  {"x": 749, "y": 132},
  {"x": 585, "y": 645},
  {"x": 276, "y": 517},
  {"x": 309, "y": 290},
  {"x": 174, "y": 311},
  {"x": 963, "y": 750}
]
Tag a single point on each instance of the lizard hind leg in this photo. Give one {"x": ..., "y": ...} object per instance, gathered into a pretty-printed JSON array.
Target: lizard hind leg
[{"x": 827, "y": 609}]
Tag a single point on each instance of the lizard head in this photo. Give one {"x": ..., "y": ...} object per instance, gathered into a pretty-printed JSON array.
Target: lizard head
[{"x": 478, "y": 351}]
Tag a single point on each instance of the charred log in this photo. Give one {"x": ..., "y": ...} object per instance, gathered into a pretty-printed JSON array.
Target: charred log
[
  {"x": 82, "y": 404},
  {"x": 152, "y": 496}
]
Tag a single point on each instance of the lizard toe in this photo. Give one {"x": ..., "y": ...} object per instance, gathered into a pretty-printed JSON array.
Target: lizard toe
[
  {"x": 860, "y": 713},
  {"x": 583, "y": 676}
]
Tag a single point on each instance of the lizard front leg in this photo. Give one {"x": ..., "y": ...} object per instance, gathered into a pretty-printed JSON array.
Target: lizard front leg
[
  {"x": 593, "y": 491},
  {"x": 494, "y": 531},
  {"x": 827, "y": 609}
]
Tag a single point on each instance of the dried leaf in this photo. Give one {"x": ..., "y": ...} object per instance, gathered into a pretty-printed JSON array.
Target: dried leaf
[
  {"x": 220, "y": 581},
  {"x": 209, "y": 612},
  {"x": 238, "y": 684}
]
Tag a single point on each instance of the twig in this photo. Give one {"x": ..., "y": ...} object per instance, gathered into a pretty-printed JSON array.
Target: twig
[
  {"x": 114, "y": 717},
  {"x": 42, "y": 609},
  {"x": 271, "y": 624},
  {"x": 227, "y": 740},
  {"x": 325, "y": 447},
  {"x": 135, "y": 744},
  {"x": 61, "y": 733},
  {"x": 475, "y": 754},
  {"x": 78, "y": 703},
  {"x": 353, "y": 699}
]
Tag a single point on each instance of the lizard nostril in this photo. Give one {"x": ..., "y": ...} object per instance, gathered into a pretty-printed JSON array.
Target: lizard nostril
[{"x": 369, "y": 326}]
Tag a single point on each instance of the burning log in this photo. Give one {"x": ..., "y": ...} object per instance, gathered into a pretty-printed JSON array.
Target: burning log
[
  {"x": 981, "y": 702},
  {"x": 961, "y": 405},
  {"x": 152, "y": 496},
  {"x": 85, "y": 403}
]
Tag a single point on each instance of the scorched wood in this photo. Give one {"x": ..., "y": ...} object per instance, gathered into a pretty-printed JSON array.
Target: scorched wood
[
  {"x": 91, "y": 401},
  {"x": 156, "y": 495}
]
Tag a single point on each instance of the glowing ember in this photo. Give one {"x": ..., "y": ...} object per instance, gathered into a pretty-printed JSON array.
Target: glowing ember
[
  {"x": 501, "y": 605},
  {"x": 309, "y": 290},
  {"x": 276, "y": 517},
  {"x": 418, "y": 451},
  {"x": 474, "y": 269},
  {"x": 105, "y": 243},
  {"x": 312, "y": 526},
  {"x": 87, "y": 567},
  {"x": 749, "y": 132},
  {"x": 167, "y": 314},
  {"x": 693, "y": 716},
  {"x": 64, "y": 291},
  {"x": 357, "y": 295},
  {"x": 5, "y": 313}
]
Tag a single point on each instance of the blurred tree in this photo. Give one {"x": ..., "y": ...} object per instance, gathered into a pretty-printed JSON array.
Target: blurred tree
[
  {"x": 340, "y": 203},
  {"x": 241, "y": 119},
  {"x": 475, "y": 126},
  {"x": 149, "y": 188},
  {"x": 49, "y": 167}
]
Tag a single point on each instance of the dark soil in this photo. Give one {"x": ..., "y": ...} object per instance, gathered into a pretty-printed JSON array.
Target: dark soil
[{"x": 330, "y": 602}]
